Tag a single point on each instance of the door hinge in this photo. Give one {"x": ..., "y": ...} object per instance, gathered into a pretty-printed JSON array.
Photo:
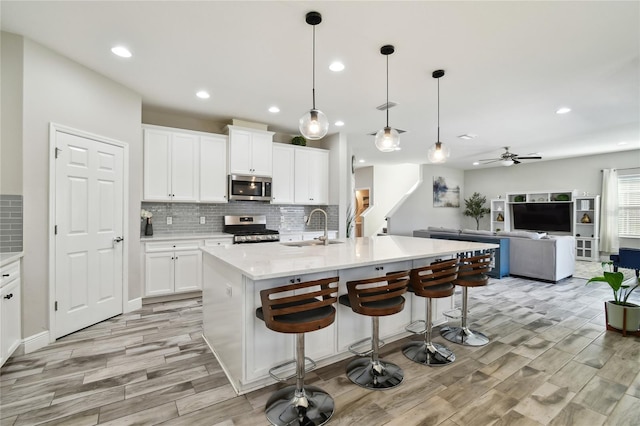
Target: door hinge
[
  {"x": 55, "y": 308},
  {"x": 57, "y": 151},
  {"x": 55, "y": 230}
]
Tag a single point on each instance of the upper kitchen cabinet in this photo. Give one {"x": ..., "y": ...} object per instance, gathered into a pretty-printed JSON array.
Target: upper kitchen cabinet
[
  {"x": 171, "y": 165},
  {"x": 250, "y": 151},
  {"x": 283, "y": 174},
  {"x": 311, "y": 176},
  {"x": 213, "y": 169}
]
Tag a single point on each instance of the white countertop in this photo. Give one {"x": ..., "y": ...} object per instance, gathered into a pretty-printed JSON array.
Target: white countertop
[
  {"x": 184, "y": 236},
  {"x": 7, "y": 258},
  {"x": 273, "y": 260}
]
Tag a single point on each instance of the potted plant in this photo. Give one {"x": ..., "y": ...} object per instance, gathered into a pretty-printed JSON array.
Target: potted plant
[
  {"x": 475, "y": 208},
  {"x": 299, "y": 140},
  {"x": 620, "y": 307}
]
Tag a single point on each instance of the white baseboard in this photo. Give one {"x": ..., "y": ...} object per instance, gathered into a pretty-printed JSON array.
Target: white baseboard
[
  {"x": 134, "y": 304},
  {"x": 35, "y": 342}
]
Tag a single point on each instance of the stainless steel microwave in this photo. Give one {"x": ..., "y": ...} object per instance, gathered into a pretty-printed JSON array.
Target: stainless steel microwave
[{"x": 249, "y": 188}]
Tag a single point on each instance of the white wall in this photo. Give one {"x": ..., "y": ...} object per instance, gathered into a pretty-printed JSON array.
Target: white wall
[
  {"x": 417, "y": 211},
  {"x": 11, "y": 107},
  {"x": 340, "y": 182},
  {"x": 389, "y": 186},
  {"x": 59, "y": 90}
]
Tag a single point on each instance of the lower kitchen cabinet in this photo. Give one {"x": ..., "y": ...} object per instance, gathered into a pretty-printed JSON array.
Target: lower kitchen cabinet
[
  {"x": 172, "y": 267},
  {"x": 10, "y": 311}
]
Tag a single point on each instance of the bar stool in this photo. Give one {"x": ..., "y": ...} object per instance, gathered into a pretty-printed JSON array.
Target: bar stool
[
  {"x": 375, "y": 297},
  {"x": 430, "y": 282},
  {"x": 472, "y": 272},
  {"x": 284, "y": 312}
]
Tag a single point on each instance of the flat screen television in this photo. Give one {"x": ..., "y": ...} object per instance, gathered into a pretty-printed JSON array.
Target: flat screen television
[{"x": 550, "y": 217}]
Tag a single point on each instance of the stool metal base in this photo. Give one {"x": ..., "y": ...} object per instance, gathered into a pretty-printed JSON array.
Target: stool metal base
[
  {"x": 464, "y": 336},
  {"x": 433, "y": 354},
  {"x": 378, "y": 375},
  {"x": 288, "y": 406}
]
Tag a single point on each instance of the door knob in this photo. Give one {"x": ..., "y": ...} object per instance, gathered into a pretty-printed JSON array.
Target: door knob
[{"x": 118, "y": 239}]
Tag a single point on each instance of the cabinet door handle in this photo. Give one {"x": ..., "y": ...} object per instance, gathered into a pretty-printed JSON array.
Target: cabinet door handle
[
  {"x": 379, "y": 268},
  {"x": 5, "y": 275},
  {"x": 9, "y": 296}
]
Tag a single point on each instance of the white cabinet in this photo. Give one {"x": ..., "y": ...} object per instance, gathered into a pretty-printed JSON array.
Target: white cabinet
[
  {"x": 283, "y": 178},
  {"x": 250, "y": 151},
  {"x": 213, "y": 169},
  {"x": 586, "y": 227},
  {"x": 219, "y": 241},
  {"x": 170, "y": 165},
  {"x": 311, "y": 176},
  {"x": 172, "y": 267},
  {"x": 10, "y": 310},
  {"x": 499, "y": 215}
]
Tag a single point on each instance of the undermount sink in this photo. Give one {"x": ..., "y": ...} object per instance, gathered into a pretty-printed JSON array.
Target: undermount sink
[{"x": 309, "y": 243}]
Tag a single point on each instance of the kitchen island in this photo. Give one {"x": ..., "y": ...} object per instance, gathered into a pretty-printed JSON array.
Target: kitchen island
[{"x": 234, "y": 275}]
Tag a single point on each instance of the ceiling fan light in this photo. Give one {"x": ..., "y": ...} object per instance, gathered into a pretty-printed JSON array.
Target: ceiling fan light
[
  {"x": 507, "y": 163},
  {"x": 438, "y": 153},
  {"x": 313, "y": 124},
  {"x": 387, "y": 140}
]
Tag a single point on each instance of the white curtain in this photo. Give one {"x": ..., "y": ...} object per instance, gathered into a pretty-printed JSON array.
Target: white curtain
[{"x": 609, "y": 223}]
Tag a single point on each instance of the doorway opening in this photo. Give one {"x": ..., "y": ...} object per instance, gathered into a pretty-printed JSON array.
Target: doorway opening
[{"x": 362, "y": 204}]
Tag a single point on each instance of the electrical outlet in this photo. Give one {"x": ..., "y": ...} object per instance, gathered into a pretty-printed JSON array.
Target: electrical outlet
[
  {"x": 281, "y": 219},
  {"x": 169, "y": 220},
  {"x": 202, "y": 220}
]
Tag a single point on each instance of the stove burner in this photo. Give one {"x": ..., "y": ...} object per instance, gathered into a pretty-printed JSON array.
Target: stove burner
[{"x": 249, "y": 229}]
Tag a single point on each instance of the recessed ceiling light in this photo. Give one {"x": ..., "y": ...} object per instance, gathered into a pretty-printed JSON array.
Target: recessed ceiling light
[
  {"x": 476, "y": 163},
  {"x": 468, "y": 136},
  {"x": 623, "y": 143},
  {"x": 361, "y": 161},
  {"x": 203, "y": 95},
  {"x": 274, "y": 109},
  {"x": 563, "y": 110},
  {"x": 336, "y": 66},
  {"x": 121, "y": 51},
  {"x": 339, "y": 123}
]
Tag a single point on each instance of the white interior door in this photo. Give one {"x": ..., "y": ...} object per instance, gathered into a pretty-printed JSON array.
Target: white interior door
[{"x": 89, "y": 216}]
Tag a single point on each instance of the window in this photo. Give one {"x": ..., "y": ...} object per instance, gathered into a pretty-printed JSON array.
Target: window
[{"x": 629, "y": 206}]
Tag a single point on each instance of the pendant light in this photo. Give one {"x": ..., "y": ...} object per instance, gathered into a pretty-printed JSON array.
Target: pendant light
[
  {"x": 387, "y": 139},
  {"x": 439, "y": 152},
  {"x": 314, "y": 124}
]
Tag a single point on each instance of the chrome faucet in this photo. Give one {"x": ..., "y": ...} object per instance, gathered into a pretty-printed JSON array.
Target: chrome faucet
[{"x": 325, "y": 238}]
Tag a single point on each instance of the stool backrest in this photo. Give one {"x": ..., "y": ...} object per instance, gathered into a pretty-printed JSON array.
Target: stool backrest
[
  {"x": 475, "y": 266},
  {"x": 378, "y": 296},
  {"x": 438, "y": 273},
  {"x": 303, "y": 311}
]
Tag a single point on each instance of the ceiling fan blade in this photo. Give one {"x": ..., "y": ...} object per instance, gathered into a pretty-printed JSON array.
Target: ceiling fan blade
[
  {"x": 515, "y": 161},
  {"x": 530, "y": 158},
  {"x": 490, "y": 160}
]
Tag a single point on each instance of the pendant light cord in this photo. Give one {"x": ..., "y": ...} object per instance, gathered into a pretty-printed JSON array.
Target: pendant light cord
[
  {"x": 438, "y": 110},
  {"x": 313, "y": 73},
  {"x": 387, "y": 90}
]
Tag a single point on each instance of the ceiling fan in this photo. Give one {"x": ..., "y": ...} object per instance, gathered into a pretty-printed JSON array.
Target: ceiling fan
[{"x": 507, "y": 158}]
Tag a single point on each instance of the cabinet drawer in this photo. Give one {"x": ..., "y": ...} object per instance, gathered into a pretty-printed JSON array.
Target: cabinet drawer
[
  {"x": 218, "y": 242},
  {"x": 9, "y": 273},
  {"x": 172, "y": 246}
]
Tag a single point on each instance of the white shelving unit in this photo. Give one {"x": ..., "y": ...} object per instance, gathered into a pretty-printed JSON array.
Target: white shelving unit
[
  {"x": 552, "y": 196},
  {"x": 499, "y": 215},
  {"x": 586, "y": 227}
]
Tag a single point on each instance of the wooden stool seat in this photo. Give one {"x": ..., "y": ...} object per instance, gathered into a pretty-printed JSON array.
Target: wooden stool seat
[
  {"x": 376, "y": 297},
  {"x": 431, "y": 282},
  {"x": 299, "y": 308}
]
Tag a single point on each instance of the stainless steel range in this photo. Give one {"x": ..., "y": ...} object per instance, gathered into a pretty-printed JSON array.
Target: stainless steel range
[{"x": 249, "y": 229}]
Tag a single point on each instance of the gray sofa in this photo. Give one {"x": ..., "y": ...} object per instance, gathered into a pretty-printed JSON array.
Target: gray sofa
[{"x": 532, "y": 255}]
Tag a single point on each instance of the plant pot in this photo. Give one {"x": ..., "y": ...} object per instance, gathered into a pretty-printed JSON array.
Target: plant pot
[{"x": 616, "y": 316}]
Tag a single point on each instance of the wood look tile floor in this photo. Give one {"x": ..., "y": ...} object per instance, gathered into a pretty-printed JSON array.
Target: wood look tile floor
[{"x": 550, "y": 362}]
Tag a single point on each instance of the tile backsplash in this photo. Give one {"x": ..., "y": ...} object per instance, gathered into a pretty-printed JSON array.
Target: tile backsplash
[
  {"x": 10, "y": 223},
  {"x": 186, "y": 216}
]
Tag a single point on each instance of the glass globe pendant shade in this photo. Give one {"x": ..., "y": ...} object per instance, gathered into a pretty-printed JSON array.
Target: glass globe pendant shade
[
  {"x": 387, "y": 139},
  {"x": 438, "y": 153},
  {"x": 314, "y": 124}
]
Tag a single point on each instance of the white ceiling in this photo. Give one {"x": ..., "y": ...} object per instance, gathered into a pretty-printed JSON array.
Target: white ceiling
[{"x": 509, "y": 66}]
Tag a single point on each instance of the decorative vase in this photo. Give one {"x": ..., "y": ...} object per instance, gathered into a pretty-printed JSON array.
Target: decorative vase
[
  {"x": 616, "y": 316},
  {"x": 500, "y": 218},
  {"x": 585, "y": 218},
  {"x": 148, "y": 229}
]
